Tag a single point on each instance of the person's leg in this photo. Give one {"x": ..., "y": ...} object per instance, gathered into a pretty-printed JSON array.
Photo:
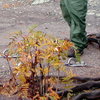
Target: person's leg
[
  {"x": 78, "y": 9},
  {"x": 74, "y": 11},
  {"x": 65, "y": 12}
]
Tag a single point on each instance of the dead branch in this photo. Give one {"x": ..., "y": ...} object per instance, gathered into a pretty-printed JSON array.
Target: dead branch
[
  {"x": 81, "y": 87},
  {"x": 85, "y": 79},
  {"x": 94, "y": 95}
]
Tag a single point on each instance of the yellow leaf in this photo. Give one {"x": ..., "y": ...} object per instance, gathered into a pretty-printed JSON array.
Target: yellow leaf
[
  {"x": 21, "y": 77},
  {"x": 43, "y": 98},
  {"x": 6, "y": 5},
  {"x": 28, "y": 74},
  {"x": 57, "y": 64},
  {"x": 25, "y": 86},
  {"x": 45, "y": 71}
]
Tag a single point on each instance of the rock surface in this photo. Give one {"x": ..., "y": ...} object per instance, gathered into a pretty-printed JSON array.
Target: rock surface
[{"x": 22, "y": 14}]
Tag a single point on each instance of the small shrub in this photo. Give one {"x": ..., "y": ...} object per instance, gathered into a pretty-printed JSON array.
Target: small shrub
[{"x": 38, "y": 54}]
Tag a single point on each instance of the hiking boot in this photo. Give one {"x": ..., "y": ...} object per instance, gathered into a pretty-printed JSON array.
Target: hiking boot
[{"x": 73, "y": 52}]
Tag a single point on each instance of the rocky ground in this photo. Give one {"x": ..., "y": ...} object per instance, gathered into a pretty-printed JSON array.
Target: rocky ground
[{"x": 49, "y": 19}]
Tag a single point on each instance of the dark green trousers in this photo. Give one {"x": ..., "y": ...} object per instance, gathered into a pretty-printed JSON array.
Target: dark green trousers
[{"x": 74, "y": 12}]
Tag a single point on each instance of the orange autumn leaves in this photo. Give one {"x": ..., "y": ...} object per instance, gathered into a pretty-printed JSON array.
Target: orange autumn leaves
[
  {"x": 10, "y": 5},
  {"x": 16, "y": 3},
  {"x": 38, "y": 54}
]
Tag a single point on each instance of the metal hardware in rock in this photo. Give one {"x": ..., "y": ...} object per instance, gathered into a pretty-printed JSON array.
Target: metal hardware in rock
[
  {"x": 6, "y": 55},
  {"x": 72, "y": 62}
]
